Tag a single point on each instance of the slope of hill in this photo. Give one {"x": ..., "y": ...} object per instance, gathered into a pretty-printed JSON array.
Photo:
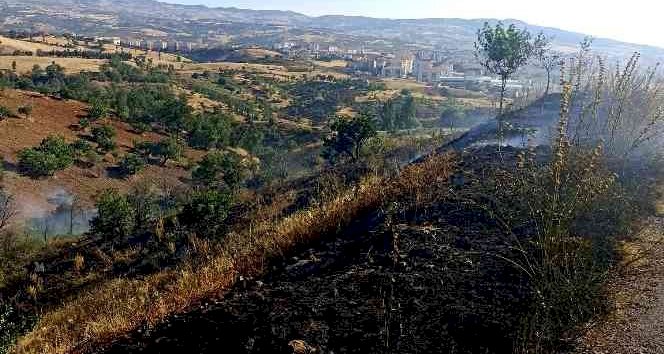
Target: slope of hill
[{"x": 57, "y": 117}]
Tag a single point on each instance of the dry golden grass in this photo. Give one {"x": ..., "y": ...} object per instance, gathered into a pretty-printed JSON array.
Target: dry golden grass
[
  {"x": 334, "y": 64},
  {"x": 164, "y": 58},
  {"x": 267, "y": 70},
  {"x": 10, "y": 45},
  {"x": 24, "y": 64},
  {"x": 404, "y": 84},
  {"x": 260, "y": 53},
  {"x": 123, "y": 305}
]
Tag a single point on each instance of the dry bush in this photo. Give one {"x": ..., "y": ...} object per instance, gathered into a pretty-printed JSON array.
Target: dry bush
[
  {"x": 573, "y": 205},
  {"x": 621, "y": 108}
]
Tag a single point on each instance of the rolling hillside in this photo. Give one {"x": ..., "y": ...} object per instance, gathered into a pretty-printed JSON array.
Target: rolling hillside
[{"x": 105, "y": 17}]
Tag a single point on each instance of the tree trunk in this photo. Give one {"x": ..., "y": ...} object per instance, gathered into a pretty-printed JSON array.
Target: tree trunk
[
  {"x": 503, "y": 85},
  {"x": 548, "y": 82}
]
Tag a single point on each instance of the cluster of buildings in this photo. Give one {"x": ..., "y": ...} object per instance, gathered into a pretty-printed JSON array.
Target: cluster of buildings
[
  {"x": 430, "y": 67},
  {"x": 155, "y": 45}
]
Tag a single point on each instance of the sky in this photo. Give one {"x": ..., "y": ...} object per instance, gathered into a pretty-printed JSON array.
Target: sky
[{"x": 636, "y": 21}]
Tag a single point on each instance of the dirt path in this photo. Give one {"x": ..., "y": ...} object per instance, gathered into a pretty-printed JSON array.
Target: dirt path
[{"x": 637, "y": 324}]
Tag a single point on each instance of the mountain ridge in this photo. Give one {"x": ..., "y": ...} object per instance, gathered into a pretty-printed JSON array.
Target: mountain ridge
[{"x": 440, "y": 32}]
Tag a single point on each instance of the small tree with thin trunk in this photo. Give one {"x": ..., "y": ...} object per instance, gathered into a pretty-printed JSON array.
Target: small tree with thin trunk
[
  {"x": 547, "y": 59},
  {"x": 502, "y": 51}
]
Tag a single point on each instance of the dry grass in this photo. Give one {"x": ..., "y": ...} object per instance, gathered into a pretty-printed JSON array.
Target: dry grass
[
  {"x": 9, "y": 45},
  {"x": 24, "y": 64},
  {"x": 277, "y": 72},
  {"x": 122, "y": 305},
  {"x": 405, "y": 84},
  {"x": 334, "y": 64},
  {"x": 164, "y": 58}
]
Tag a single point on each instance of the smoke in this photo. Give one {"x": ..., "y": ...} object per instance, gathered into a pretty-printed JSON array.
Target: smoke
[{"x": 65, "y": 215}]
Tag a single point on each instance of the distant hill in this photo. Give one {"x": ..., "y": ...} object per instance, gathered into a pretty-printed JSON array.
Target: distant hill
[{"x": 131, "y": 17}]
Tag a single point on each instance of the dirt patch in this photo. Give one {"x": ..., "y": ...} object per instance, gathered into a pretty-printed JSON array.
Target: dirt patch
[{"x": 635, "y": 325}]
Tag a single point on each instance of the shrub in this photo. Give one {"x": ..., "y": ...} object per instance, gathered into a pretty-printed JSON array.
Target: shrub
[
  {"x": 12, "y": 325},
  {"x": 25, "y": 110},
  {"x": 81, "y": 148},
  {"x": 84, "y": 123},
  {"x": 104, "y": 137},
  {"x": 5, "y": 113},
  {"x": 132, "y": 164},
  {"x": 116, "y": 216},
  {"x": 97, "y": 110}
]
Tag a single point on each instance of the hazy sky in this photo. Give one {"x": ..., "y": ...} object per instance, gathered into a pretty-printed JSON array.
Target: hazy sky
[{"x": 638, "y": 21}]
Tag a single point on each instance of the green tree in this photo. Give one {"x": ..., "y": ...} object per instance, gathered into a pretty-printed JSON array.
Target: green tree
[
  {"x": 169, "y": 149},
  {"x": 97, "y": 110},
  {"x": 220, "y": 169},
  {"x": 502, "y": 51},
  {"x": 547, "y": 59},
  {"x": 132, "y": 164},
  {"x": 206, "y": 212},
  {"x": 115, "y": 218},
  {"x": 451, "y": 113},
  {"x": 348, "y": 137},
  {"x": 387, "y": 115},
  {"x": 53, "y": 154},
  {"x": 104, "y": 136},
  {"x": 408, "y": 111},
  {"x": 210, "y": 130}
]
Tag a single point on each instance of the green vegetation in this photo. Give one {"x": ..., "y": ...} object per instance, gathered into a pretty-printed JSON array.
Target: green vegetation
[
  {"x": 220, "y": 170},
  {"x": 116, "y": 217},
  {"x": 513, "y": 247},
  {"x": 502, "y": 51},
  {"x": 319, "y": 100},
  {"x": 5, "y": 113},
  {"x": 53, "y": 154},
  {"x": 348, "y": 137},
  {"x": 132, "y": 164},
  {"x": 104, "y": 136},
  {"x": 399, "y": 113},
  {"x": 97, "y": 110},
  {"x": 210, "y": 131},
  {"x": 26, "y": 111},
  {"x": 206, "y": 212}
]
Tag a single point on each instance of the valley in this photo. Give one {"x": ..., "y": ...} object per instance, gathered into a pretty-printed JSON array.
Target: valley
[{"x": 193, "y": 179}]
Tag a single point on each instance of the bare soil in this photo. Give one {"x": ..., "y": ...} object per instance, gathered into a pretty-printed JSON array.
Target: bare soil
[
  {"x": 60, "y": 117},
  {"x": 636, "y": 325}
]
